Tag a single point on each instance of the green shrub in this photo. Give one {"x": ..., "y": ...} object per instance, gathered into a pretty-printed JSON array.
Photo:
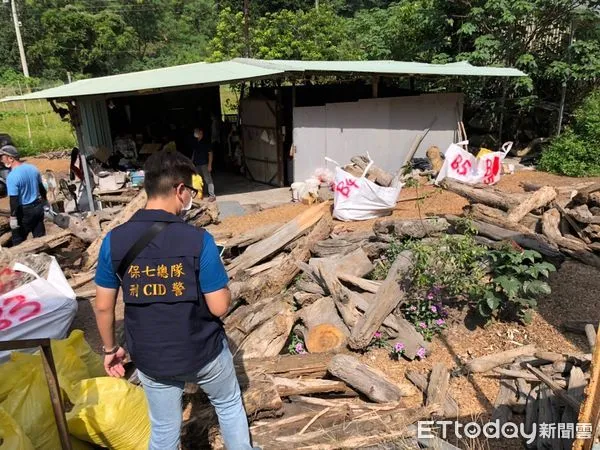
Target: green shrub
[{"x": 576, "y": 152}]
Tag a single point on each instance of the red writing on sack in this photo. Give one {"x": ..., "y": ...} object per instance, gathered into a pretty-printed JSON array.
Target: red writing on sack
[
  {"x": 17, "y": 308},
  {"x": 492, "y": 169},
  {"x": 461, "y": 166},
  {"x": 343, "y": 187}
]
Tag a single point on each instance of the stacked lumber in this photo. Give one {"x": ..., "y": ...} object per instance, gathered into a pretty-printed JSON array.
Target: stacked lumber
[
  {"x": 555, "y": 222},
  {"x": 376, "y": 174},
  {"x": 543, "y": 386},
  {"x": 313, "y": 401}
]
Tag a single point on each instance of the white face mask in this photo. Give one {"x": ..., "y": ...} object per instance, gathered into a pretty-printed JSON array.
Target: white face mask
[{"x": 189, "y": 205}]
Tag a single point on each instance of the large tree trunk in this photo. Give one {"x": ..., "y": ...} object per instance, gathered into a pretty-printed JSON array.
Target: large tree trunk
[
  {"x": 371, "y": 382},
  {"x": 487, "y": 196},
  {"x": 91, "y": 254},
  {"x": 532, "y": 241},
  {"x": 288, "y": 366}
]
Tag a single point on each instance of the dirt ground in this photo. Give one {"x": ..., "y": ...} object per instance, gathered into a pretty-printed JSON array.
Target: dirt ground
[{"x": 573, "y": 297}]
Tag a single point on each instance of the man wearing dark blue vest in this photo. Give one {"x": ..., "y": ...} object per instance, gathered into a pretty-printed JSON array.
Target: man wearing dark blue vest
[{"x": 175, "y": 289}]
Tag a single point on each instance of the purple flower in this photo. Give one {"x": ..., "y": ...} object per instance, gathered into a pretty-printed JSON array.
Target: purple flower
[
  {"x": 433, "y": 309},
  {"x": 423, "y": 325},
  {"x": 399, "y": 347},
  {"x": 421, "y": 353},
  {"x": 430, "y": 296},
  {"x": 377, "y": 335},
  {"x": 299, "y": 348},
  {"x": 412, "y": 308},
  {"x": 436, "y": 289},
  {"x": 440, "y": 322}
]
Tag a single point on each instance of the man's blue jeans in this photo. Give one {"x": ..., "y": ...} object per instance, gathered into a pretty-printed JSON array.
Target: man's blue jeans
[{"x": 218, "y": 380}]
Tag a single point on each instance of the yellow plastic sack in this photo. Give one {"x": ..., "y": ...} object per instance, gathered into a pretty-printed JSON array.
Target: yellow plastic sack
[
  {"x": 112, "y": 413},
  {"x": 483, "y": 151},
  {"x": 75, "y": 361},
  {"x": 198, "y": 184},
  {"x": 13, "y": 437},
  {"x": 24, "y": 390}
]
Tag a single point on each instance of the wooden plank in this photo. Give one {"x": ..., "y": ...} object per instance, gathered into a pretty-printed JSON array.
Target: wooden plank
[
  {"x": 558, "y": 391},
  {"x": 450, "y": 407},
  {"x": 590, "y": 333},
  {"x": 506, "y": 398},
  {"x": 366, "y": 285},
  {"x": 371, "y": 382},
  {"x": 252, "y": 236},
  {"x": 386, "y": 299},
  {"x": 577, "y": 384},
  {"x": 437, "y": 389},
  {"x": 488, "y": 362},
  {"x": 91, "y": 254},
  {"x": 590, "y": 410},
  {"x": 286, "y": 234}
]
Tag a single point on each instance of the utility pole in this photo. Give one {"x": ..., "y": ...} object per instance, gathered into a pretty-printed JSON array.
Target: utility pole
[
  {"x": 13, "y": 6},
  {"x": 247, "y": 28}
]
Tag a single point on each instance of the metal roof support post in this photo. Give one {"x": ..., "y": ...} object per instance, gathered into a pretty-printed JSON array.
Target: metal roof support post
[{"x": 88, "y": 187}]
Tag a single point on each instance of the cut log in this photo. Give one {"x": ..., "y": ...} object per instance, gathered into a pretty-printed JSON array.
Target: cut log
[
  {"x": 382, "y": 177},
  {"x": 489, "y": 362},
  {"x": 531, "y": 241},
  {"x": 583, "y": 195},
  {"x": 310, "y": 287},
  {"x": 342, "y": 296},
  {"x": 286, "y": 387},
  {"x": 590, "y": 333},
  {"x": 286, "y": 234},
  {"x": 5, "y": 238},
  {"x": 289, "y": 366},
  {"x": 494, "y": 216},
  {"x": 365, "y": 285},
  {"x": 506, "y": 398},
  {"x": 275, "y": 280},
  {"x": 386, "y": 299},
  {"x": 548, "y": 413},
  {"x": 489, "y": 197},
  {"x": 576, "y": 389},
  {"x": 336, "y": 247},
  {"x": 246, "y": 319},
  {"x": 83, "y": 229},
  {"x": 449, "y": 405},
  {"x": 355, "y": 263},
  {"x": 532, "y": 410},
  {"x": 574, "y": 247},
  {"x": 558, "y": 391},
  {"x": 573, "y": 223},
  {"x": 41, "y": 244},
  {"x": 584, "y": 215},
  {"x": 358, "y": 237},
  {"x": 371, "y": 382},
  {"x": 409, "y": 228},
  {"x": 270, "y": 337},
  {"x": 329, "y": 338},
  {"x": 524, "y": 375},
  {"x": 437, "y": 389},
  {"x": 91, "y": 254},
  {"x": 266, "y": 266},
  {"x": 538, "y": 199},
  {"x": 306, "y": 298},
  {"x": 252, "y": 236},
  {"x": 81, "y": 279}
]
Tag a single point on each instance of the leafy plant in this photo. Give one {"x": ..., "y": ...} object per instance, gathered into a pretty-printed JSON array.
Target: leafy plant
[
  {"x": 296, "y": 346},
  {"x": 518, "y": 277},
  {"x": 576, "y": 152},
  {"x": 378, "y": 341},
  {"x": 428, "y": 315}
]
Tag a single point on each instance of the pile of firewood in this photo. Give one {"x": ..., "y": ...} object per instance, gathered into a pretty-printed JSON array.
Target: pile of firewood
[
  {"x": 375, "y": 173},
  {"x": 552, "y": 221}
]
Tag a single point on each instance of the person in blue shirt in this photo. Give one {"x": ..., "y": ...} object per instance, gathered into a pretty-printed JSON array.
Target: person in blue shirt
[
  {"x": 27, "y": 196},
  {"x": 175, "y": 290}
]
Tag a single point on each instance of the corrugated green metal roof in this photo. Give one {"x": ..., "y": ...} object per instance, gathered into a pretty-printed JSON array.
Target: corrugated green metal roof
[
  {"x": 204, "y": 74},
  {"x": 462, "y": 68}
]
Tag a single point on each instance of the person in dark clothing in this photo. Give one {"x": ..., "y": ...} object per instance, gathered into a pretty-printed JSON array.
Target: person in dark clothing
[
  {"x": 28, "y": 198},
  {"x": 202, "y": 157}
]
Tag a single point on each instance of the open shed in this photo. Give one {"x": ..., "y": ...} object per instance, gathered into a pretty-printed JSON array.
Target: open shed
[{"x": 288, "y": 124}]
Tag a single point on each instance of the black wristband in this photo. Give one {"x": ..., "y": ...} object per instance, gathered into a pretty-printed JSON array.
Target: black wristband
[{"x": 114, "y": 350}]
